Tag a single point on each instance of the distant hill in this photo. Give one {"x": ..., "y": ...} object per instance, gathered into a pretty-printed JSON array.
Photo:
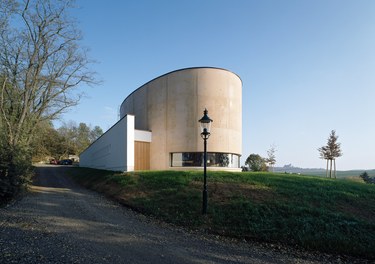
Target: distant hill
[{"x": 321, "y": 172}]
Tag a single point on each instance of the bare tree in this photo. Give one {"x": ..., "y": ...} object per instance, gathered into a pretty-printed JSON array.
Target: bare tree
[
  {"x": 41, "y": 64},
  {"x": 330, "y": 152}
]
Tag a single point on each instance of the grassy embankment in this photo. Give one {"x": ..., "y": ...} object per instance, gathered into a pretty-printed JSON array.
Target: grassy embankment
[{"x": 335, "y": 216}]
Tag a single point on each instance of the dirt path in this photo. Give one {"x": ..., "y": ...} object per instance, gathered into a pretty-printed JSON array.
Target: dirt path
[{"x": 60, "y": 222}]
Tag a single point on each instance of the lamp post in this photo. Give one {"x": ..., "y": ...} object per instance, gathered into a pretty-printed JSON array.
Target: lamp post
[{"x": 205, "y": 123}]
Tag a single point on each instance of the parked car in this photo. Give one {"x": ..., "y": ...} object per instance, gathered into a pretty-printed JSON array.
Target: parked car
[
  {"x": 66, "y": 162},
  {"x": 53, "y": 161}
]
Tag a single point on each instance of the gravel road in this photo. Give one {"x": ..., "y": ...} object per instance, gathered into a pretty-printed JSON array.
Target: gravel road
[{"x": 60, "y": 222}]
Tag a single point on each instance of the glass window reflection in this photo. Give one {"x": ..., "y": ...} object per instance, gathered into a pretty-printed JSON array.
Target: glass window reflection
[{"x": 195, "y": 159}]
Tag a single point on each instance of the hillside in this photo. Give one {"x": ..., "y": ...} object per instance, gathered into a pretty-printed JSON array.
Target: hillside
[{"x": 315, "y": 213}]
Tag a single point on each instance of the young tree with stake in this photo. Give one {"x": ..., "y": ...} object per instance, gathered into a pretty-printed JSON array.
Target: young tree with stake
[
  {"x": 330, "y": 152},
  {"x": 271, "y": 160}
]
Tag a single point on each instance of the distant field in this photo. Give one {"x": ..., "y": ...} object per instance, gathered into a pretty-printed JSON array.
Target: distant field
[
  {"x": 344, "y": 174},
  {"x": 335, "y": 216},
  {"x": 322, "y": 173}
]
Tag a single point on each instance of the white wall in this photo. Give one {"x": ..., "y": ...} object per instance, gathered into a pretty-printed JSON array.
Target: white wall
[{"x": 114, "y": 150}]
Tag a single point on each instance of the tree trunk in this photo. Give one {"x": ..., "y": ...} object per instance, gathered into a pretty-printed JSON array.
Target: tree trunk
[
  {"x": 330, "y": 168},
  {"x": 334, "y": 163},
  {"x": 327, "y": 170}
]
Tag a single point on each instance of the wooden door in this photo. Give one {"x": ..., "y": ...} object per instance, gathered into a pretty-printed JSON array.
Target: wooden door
[{"x": 141, "y": 155}]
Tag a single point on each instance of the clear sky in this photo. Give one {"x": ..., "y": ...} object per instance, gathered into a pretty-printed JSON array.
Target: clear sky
[{"x": 307, "y": 66}]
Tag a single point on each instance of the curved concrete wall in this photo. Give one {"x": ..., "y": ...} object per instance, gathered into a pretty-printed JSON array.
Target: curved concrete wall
[{"x": 171, "y": 105}]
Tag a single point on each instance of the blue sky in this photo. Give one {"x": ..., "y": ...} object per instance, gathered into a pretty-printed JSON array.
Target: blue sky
[{"x": 307, "y": 66}]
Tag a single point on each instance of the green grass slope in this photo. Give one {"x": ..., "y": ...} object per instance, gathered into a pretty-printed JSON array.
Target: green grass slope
[{"x": 334, "y": 216}]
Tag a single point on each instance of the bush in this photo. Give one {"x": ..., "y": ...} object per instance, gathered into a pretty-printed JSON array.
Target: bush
[
  {"x": 15, "y": 171},
  {"x": 366, "y": 178}
]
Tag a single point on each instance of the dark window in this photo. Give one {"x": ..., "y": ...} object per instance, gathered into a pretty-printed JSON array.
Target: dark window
[{"x": 195, "y": 159}]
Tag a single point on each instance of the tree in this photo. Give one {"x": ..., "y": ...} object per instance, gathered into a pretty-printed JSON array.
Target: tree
[
  {"x": 44, "y": 141},
  {"x": 83, "y": 137},
  {"x": 95, "y": 133},
  {"x": 256, "y": 163},
  {"x": 78, "y": 138},
  {"x": 330, "y": 152},
  {"x": 49, "y": 143},
  {"x": 365, "y": 176},
  {"x": 60, "y": 143},
  {"x": 41, "y": 64},
  {"x": 271, "y": 160},
  {"x": 68, "y": 133}
]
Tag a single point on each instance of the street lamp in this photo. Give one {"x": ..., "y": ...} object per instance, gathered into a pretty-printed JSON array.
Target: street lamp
[{"x": 205, "y": 123}]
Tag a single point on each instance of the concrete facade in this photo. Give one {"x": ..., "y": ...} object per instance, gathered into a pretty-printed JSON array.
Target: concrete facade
[
  {"x": 171, "y": 105},
  {"x": 165, "y": 112}
]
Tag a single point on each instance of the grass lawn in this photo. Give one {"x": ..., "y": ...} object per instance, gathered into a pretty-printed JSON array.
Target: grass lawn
[{"x": 334, "y": 216}]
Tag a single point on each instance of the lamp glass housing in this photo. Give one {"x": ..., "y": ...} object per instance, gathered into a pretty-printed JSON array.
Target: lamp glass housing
[{"x": 205, "y": 123}]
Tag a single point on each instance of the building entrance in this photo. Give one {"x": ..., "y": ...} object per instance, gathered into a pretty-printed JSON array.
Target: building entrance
[{"x": 141, "y": 155}]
